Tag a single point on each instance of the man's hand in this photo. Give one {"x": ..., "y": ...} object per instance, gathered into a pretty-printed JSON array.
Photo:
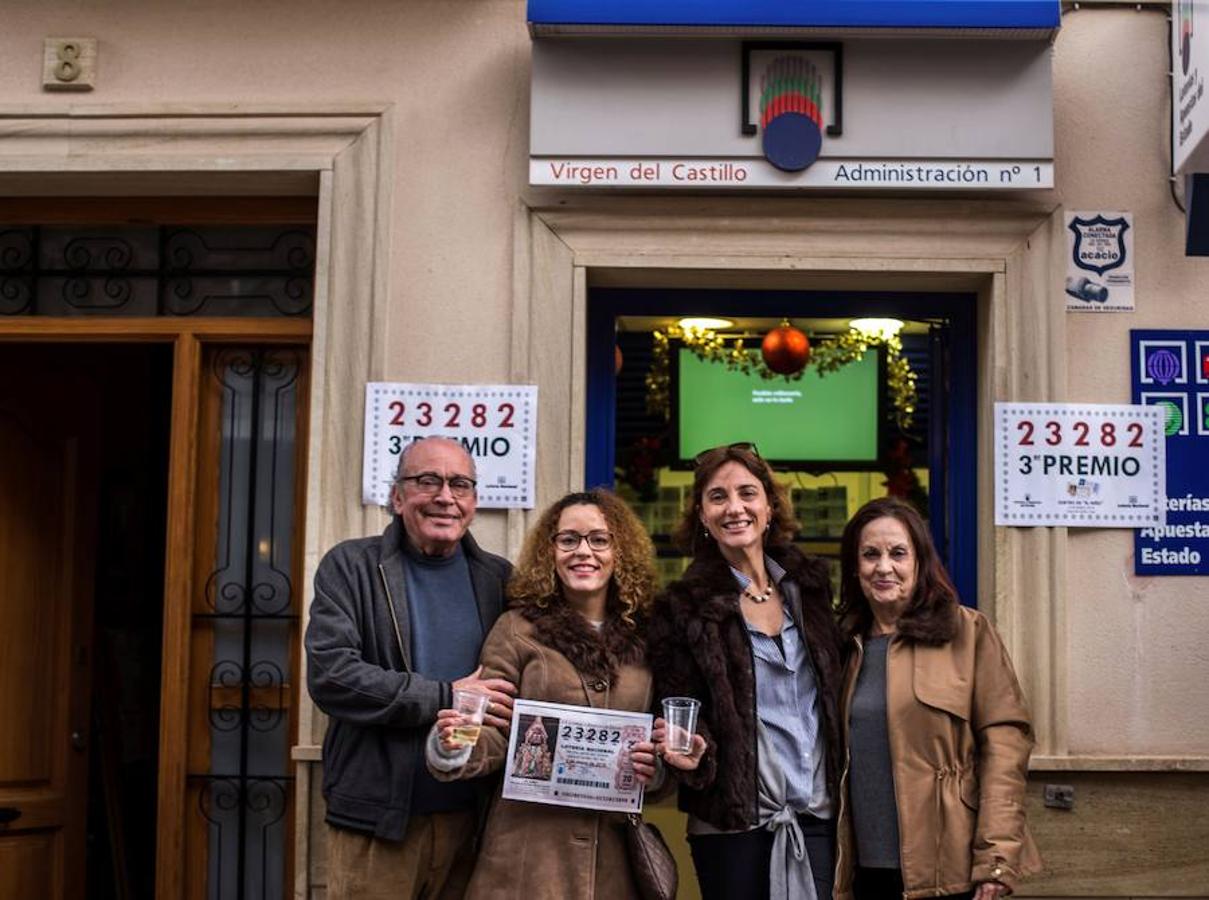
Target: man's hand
[
  {"x": 447, "y": 721},
  {"x": 499, "y": 697}
]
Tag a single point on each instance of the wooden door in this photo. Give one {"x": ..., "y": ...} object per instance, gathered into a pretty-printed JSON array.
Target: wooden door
[
  {"x": 48, "y": 427},
  {"x": 232, "y": 286}
]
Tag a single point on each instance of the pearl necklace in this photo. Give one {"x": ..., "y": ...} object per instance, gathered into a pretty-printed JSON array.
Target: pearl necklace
[{"x": 758, "y": 598}]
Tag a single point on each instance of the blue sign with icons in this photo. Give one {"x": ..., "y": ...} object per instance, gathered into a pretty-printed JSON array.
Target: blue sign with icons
[{"x": 1171, "y": 369}]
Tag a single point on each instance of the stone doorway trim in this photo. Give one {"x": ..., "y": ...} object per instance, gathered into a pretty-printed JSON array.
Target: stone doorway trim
[
  {"x": 342, "y": 155},
  {"x": 1008, "y": 254}
]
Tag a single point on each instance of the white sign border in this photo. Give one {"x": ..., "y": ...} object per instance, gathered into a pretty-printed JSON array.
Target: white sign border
[
  {"x": 1158, "y": 473},
  {"x": 376, "y": 477}
]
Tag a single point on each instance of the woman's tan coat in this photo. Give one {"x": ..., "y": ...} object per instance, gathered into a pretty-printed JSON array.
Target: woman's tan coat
[
  {"x": 531, "y": 851},
  {"x": 960, "y": 740}
]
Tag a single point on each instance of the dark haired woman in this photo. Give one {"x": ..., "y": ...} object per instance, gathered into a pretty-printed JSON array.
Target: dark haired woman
[
  {"x": 937, "y": 731},
  {"x": 579, "y": 598},
  {"x": 749, "y": 632}
]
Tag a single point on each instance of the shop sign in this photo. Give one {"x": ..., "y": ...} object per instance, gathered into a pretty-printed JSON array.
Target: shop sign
[
  {"x": 1079, "y": 464},
  {"x": 859, "y": 114},
  {"x": 1190, "y": 51},
  {"x": 874, "y": 174},
  {"x": 1170, "y": 371},
  {"x": 1099, "y": 262},
  {"x": 496, "y": 423}
]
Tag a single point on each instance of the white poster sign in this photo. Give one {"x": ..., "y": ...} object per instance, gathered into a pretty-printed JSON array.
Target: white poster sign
[
  {"x": 496, "y": 423},
  {"x": 574, "y": 756},
  {"x": 1080, "y": 464},
  {"x": 1189, "y": 51},
  {"x": 1099, "y": 261}
]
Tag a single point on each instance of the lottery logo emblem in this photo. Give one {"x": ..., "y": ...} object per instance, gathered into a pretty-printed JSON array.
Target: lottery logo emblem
[
  {"x": 791, "y": 113},
  {"x": 1173, "y": 418},
  {"x": 1163, "y": 366},
  {"x": 1099, "y": 243}
]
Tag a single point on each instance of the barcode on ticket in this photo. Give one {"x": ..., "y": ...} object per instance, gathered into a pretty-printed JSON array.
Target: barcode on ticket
[{"x": 578, "y": 782}]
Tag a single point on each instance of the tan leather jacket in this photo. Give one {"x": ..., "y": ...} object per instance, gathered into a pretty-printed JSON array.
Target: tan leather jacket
[
  {"x": 960, "y": 740},
  {"x": 531, "y": 851}
]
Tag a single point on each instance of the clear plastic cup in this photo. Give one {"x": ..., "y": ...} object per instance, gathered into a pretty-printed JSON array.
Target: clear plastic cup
[
  {"x": 471, "y": 706},
  {"x": 680, "y": 713}
]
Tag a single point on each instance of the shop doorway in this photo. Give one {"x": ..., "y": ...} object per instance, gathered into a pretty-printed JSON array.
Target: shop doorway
[
  {"x": 83, "y": 480},
  {"x": 653, "y": 390},
  {"x": 153, "y": 421}
]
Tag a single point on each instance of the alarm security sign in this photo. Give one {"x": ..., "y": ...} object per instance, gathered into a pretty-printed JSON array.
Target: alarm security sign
[{"x": 1099, "y": 262}]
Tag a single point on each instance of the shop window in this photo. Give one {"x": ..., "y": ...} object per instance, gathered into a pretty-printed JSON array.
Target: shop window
[{"x": 885, "y": 417}]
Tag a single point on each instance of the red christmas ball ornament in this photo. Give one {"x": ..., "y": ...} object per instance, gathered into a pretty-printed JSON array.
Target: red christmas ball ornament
[{"x": 786, "y": 350}]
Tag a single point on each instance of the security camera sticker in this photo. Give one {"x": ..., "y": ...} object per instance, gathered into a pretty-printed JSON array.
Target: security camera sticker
[{"x": 1099, "y": 267}]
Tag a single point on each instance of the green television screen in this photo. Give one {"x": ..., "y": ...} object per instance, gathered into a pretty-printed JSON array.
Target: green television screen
[{"x": 830, "y": 421}]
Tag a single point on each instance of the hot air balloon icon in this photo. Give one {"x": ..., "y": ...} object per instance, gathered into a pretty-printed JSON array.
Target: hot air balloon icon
[{"x": 1162, "y": 365}]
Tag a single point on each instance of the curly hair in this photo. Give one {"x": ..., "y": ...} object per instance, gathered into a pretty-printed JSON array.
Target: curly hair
[
  {"x": 691, "y": 536},
  {"x": 535, "y": 583},
  {"x": 930, "y": 616}
]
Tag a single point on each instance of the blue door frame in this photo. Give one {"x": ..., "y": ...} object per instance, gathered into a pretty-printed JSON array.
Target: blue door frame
[{"x": 953, "y": 470}]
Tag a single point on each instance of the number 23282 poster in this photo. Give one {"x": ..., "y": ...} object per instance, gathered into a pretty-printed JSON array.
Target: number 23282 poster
[
  {"x": 1079, "y": 464},
  {"x": 496, "y": 423}
]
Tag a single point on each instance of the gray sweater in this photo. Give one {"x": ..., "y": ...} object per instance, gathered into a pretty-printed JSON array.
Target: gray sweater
[
  {"x": 871, "y": 778},
  {"x": 359, "y": 672}
]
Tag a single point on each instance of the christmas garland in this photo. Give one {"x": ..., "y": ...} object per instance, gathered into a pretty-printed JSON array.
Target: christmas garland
[{"x": 827, "y": 355}]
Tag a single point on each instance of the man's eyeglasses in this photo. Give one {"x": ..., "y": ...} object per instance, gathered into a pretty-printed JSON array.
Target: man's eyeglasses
[
  {"x": 741, "y": 445},
  {"x": 431, "y": 483},
  {"x": 569, "y": 541}
]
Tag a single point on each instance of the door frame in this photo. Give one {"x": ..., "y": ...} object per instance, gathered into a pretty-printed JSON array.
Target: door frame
[
  {"x": 1003, "y": 253},
  {"x": 341, "y": 154},
  {"x": 953, "y": 468},
  {"x": 188, "y": 338}
]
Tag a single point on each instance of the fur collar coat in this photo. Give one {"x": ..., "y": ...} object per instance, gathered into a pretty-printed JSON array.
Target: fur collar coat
[{"x": 698, "y": 646}]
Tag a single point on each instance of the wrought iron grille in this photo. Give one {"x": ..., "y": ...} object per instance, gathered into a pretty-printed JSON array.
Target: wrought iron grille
[
  {"x": 157, "y": 271},
  {"x": 250, "y": 609}
]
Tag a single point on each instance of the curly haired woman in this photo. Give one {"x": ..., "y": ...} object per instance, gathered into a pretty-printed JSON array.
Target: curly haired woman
[{"x": 574, "y": 635}]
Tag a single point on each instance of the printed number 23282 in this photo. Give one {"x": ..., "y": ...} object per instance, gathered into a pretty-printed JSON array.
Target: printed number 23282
[
  {"x": 452, "y": 415},
  {"x": 1051, "y": 433}
]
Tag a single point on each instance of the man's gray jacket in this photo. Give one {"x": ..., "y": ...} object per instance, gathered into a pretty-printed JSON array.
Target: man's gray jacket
[{"x": 358, "y": 646}]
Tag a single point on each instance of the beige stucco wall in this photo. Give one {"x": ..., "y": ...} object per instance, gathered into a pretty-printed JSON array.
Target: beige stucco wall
[
  {"x": 454, "y": 76},
  {"x": 1138, "y": 658}
]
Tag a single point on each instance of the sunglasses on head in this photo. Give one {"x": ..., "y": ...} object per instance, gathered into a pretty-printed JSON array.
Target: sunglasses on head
[{"x": 745, "y": 446}]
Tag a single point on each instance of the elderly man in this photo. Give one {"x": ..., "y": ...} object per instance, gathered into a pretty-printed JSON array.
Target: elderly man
[{"x": 396, "y": 625}]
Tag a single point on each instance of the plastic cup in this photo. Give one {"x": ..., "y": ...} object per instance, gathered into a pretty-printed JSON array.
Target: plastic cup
[
  {"x": 471, "y": 706},
  {"x": 680, "y": 713}
]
